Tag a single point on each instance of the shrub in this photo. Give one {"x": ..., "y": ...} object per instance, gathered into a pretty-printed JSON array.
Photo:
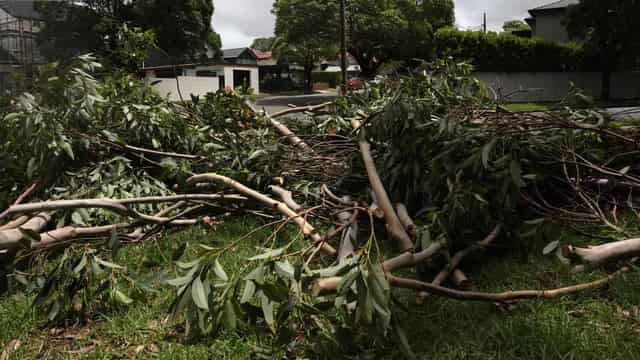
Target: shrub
[
  {"x": 509, "y": 53},
  {"x": 331, "y": 78}
]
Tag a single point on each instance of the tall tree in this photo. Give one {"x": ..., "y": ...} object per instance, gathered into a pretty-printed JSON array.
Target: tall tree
[
  {"x": 609, "y": 28},
  {"x": 263, "y": 44},
  {"x": 308, "y": 30},
  {"x": 382, "y": 30},
  {"x": 183, "y": 28},
  {"x": 515, "y": 26}
]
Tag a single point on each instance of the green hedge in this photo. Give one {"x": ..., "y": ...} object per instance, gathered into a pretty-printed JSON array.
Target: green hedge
[
  {"x": 507, "y": 53},
  {"x": 331, "y": 78}
]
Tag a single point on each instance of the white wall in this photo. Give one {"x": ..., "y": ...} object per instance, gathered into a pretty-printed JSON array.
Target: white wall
[
  {"x": 553, "y": 86},
  {"x": 189, "y": 85}
]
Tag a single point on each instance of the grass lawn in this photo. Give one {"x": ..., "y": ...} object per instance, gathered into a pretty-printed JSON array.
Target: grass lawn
[
  {"x": 603, "y": 323},
  {"x": 515, "y": 107}
]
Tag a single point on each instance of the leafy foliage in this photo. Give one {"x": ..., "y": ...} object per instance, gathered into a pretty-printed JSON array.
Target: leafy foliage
[{"x": 508, "y": 53}]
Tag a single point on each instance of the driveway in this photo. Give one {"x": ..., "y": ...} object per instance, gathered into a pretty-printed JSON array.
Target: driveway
[{"x": 277, "y": 103}]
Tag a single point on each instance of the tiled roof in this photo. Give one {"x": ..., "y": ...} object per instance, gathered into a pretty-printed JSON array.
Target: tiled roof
[{"x": 557, "y": 5}]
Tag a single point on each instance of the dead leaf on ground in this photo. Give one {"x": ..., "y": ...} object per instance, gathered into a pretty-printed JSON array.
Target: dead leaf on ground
[{"x": 10, "y": 348}]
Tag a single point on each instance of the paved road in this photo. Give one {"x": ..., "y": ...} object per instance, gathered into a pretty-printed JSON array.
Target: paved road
[{"x": 274, "y": 104}]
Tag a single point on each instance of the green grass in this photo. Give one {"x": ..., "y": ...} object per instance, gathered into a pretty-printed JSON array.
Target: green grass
[
  {"x": 516, "y": 107},
  {"x": 602, "y": 323}
]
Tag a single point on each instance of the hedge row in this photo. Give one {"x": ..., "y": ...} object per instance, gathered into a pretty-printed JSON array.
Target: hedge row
[
  {"x": 494, "y": 52},
  {"x": 331, "y": 78}
]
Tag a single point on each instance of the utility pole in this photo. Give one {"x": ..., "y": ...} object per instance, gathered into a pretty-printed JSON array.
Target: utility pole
[
  {"x": 343, "y": 47},
  {"x": 484, "y": 22}
]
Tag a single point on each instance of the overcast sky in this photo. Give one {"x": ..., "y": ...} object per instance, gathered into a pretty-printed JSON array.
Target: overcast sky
[{"x": 240, "y": 21}]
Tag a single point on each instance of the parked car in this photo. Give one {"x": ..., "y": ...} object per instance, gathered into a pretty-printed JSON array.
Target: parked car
[{"x": 355, "y": 83}]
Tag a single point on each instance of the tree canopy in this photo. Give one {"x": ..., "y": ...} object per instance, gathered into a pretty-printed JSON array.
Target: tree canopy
[
  {"x": 182, "y": 28},
  {"x": 512, "y": 26},
  {"x": 609, "y": 28},
  {"x": 308, "y": 28},
  {"x": 263, "y": 44}
]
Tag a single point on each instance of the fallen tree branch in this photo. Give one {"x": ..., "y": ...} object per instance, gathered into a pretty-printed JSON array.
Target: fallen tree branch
[
  {"x": 459, "y": 256},
  {"x": 15, "y": 223},
  {"x": 460, "y": 280},
  {"x": 282, "y": 129},
  {"x": 306, "y": 228},
  {"x": 601, "y": 254},
  {"x": 327, "y": 285},
  {"x": 286, "y": 196},
  {"x": 409, "y": 259},
  {"x": 349, "y": 238},
  {"x": 20, "y": 198},
  {"x": 394, "y": 227},
  {"x": 405, "y": 219},
  {"x": 312, "y": 108},
  {"x": 502, "y": 296},
  {"x": 10, "y": 239},
  {"x": 116, "y": 205}
]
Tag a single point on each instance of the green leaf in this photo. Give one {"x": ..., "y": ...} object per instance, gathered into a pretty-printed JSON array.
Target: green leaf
[
  {"x": 285, "y": 269},
  {"x": 108, "y": 264},
  {"x": 267, "y": 310},
  {"x": 229, "y": 317},
  {"x": 219, "y": 271},
  {"x": 67, "y": 149},
  {"x": 268, "y": 254},
  {"x": 625, "y": 170},
  {"x": 178, "y": 252},
  {"x": 516, "y": 173},
  {"x": 347, "y": 281},
  {"x": 480, "y": 198},
  {"x": 550, "y": 247},
  {"x": 121, "y": 297},
  {"x": 81, "y": 265},
  {"x": 199, "y": 294},
  {"x": 537, "y": 221},
  {"x": 486, "y": 152},
  {"x": 248, "y": 292},
  {"x": 77, "y": 218}
]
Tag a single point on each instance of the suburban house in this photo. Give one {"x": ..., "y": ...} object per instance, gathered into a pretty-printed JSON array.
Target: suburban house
[
  {"x": 276, "y": 73},
  {"x": 19, "y": 26},
  {"x": 548, "y": 21},
  {"x": 180, "y": 79},
  {"x": 353, "y": 68}
]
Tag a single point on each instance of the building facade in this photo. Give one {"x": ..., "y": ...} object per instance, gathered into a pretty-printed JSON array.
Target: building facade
[{"x": 548, "y": 21}]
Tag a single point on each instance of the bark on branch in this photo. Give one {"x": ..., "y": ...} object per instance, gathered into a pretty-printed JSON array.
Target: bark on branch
[
  {"x": 306, "y": 228},
  {"x": 601, "y": 254},
  {"x": 394, "y": 227},
  {"x": 286, "y": 196},
  {"x": 312, "y": 108},
  {"x": 327, "y": 285},
  {"x": 282, "y": 129}
]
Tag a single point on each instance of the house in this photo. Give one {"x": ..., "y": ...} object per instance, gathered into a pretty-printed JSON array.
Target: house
[
  {"x": 276, "y": 73},
  {"x": 179, "y": 78},
  {"x": 19, "y": 26},
  {"x": 548, "y": 21}
]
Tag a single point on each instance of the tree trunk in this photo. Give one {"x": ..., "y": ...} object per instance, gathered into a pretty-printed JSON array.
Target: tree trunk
[
  {"x": 308, "y": 81},
  {"x": 368, "y": 64}
]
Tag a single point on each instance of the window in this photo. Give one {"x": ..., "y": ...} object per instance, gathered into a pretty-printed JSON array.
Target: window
[
  {"x": 168, "y": 73},
  {"x": 206, "y": 73}
]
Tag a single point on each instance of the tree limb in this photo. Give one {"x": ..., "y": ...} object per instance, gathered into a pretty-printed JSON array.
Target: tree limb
[
  {"x": 394, "y": 227},
  {"x": 601, "y": 254},
  {"x": 306, "y": 228}
]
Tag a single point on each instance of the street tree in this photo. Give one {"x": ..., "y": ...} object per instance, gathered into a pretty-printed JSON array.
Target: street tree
[
  {"x": 609, "y": 29},
  {"x": 308, "y": 31},
  {"x": 182, "y": 28},
  {"x": 383, "y": 30}
]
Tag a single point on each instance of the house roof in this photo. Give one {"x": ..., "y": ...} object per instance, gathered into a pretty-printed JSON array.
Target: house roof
[
  {"x": 236, "y": 53},
  {"x": 23, "y": 9},
  {"x": 562, "y": 4},
  {"x": 262, "y": 55}
]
